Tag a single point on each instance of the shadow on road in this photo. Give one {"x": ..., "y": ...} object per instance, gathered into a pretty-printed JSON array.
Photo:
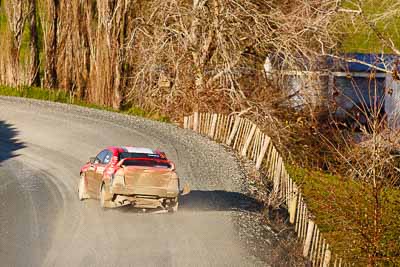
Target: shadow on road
[
  {"x": 9, "y": 143},
  {"x": 217, "y": 200}
]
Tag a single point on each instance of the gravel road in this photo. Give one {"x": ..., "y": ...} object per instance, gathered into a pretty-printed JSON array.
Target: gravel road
[{"x": 42, "y": 222}]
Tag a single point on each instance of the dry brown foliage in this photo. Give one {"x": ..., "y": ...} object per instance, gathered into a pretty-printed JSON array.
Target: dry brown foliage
[
  {"x": 175, "y": 56},
  {"x": 368, "y": 154}
]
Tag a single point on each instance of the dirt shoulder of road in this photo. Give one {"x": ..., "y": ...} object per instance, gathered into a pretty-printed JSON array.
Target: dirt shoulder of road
[{"x": 255, "y": 228}]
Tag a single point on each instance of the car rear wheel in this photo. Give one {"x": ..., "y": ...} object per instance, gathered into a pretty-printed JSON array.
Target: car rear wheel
[
  {"x": 82, "y": 190},
  {"x": 174, "y": 207}
]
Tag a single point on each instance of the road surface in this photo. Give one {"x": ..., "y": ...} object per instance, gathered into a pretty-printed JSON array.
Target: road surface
[{"x": 42, "y": 222}]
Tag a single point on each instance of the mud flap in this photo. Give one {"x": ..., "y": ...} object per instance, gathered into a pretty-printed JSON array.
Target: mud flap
[{"x": 185, "y": 190}]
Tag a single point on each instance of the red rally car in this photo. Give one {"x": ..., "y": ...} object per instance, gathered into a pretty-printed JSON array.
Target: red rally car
[{"x": 141, "y": 177}]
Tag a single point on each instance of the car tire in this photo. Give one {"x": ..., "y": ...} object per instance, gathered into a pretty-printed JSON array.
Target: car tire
[
  {"x": 174, "y": 207},
  {"x": 82, "y": 190},
  {"x": 104, "y": 201}
]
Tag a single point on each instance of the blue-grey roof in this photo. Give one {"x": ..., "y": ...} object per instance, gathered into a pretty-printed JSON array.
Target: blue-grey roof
[{"x": 382, "y": 61}]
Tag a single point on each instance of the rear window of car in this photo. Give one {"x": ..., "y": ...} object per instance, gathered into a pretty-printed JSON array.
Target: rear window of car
[
  {"x": 147, "y": 163},
  {"x": 124, "y": 155}
]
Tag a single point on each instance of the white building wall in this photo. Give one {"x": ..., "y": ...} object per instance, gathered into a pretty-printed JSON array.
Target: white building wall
[{"x": 392, "y": 102}]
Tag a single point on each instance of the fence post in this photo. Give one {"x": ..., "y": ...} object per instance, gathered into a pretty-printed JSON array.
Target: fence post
[
  {"x": 305, "y": 221},
  {"x": 218, "y": 128},
  {"x": 307, "y": 243},
  {"x": 286, "y": 182},
  {"x": 201, "y": 122},
  {"x": 262, "y": 153},
  {"x": 240, "y": 134},
  {"x": 327, "y": 258},
  {"x": 277, "y": 175},
  {"x": 209, "y": 122},
  {"x": 298, "y": 214},
  {"x": 234, "y": 130},
  {"x": 313, "y": 244},
  {"x": 196, "y": 121},
  {"x": 321, "y": 253},
  {"x": 314, "y": 258},
  {"x": 213, "y": 126},
  {"x": 220, "y": 125},
  {"x": 191, "y": 118},
  {"x": 292, "y": 207},
  {"x": 256, "y": 145},
  {"x": 248, "y": 141},
  {"x": 272, "y": 162},
  {"x": 227, "y": 128},
  {"x": 242, "y": 137}
]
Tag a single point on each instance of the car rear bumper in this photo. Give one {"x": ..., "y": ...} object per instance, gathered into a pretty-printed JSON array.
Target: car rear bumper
[
  {"x": 151, "y": 192},
  {"x": 144, "y": 202}
]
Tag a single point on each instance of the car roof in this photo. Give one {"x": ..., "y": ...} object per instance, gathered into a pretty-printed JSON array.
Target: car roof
[{"x": 132, "y": 149}]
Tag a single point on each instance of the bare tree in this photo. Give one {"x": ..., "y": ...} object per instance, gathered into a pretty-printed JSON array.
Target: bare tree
[
  {"x": 213, "y": 50},
  {"x": 51, "y": 33},
  {"x": 17, "y": 15},
  {"x": 379, "y": 23},
  {"x": 202, "y": 51},
  {"x": 367, "y": 154},
  {"x": 34, "y": 78},
  {"x": 108, "y": 57},
  {"x": 74, "y": 46}
]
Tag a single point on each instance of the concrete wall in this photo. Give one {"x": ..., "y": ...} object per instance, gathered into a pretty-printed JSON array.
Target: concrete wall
[
  {"x": 307, "y": 91},
  {"x": 342, "y": 96},
  {"x": 392, "y": 102},
  {"x": 350, "y": 94}
]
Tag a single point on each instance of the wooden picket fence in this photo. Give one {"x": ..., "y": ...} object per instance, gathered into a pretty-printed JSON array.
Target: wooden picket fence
[{"x": 249, "y": 141}]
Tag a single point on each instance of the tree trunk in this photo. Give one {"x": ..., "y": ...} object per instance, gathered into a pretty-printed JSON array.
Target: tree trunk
[
  {"x": 119, "y": 81},
  {"x": 16, "y": 20},
  {"x": 34, "y": 78},
  {"x": 51, "y": 53}
]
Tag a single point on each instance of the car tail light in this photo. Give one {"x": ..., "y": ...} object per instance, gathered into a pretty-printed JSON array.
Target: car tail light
[{"x": 114, "y": 161}]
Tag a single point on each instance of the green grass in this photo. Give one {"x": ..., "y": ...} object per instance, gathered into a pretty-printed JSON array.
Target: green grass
[
  {"x": 63, "y": 97},
  {"x": 342, "y": 208},
  {"x": 25, "y": 42},
  {"x": 37, "y": 93},
  {"x": 360, "y": 37},
  {"x": 142, "y": 113},
  {"x": 3, "y": 18}
]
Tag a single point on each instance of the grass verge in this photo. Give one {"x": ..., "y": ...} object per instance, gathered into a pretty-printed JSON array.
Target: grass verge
[
  {"x": 343, "y": 211},
  {"x": 360, "y": 37},
  {"x": 63, "y": 97}
]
